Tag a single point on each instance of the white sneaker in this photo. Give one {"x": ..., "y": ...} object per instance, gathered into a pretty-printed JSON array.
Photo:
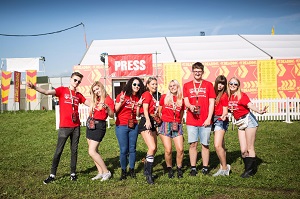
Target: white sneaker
[
  {"x": 106, "y": 176},
  {"x": 97, "y": 176},
  {"x": 220, "y": 172},
  {"x": 227, "y": 170}
]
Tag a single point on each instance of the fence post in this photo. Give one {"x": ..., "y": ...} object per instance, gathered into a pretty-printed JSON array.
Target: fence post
[
  {"x": 57, "y": 117},
  {"x": 108, "y": 122},
  {"x": 288, "y": 119}
]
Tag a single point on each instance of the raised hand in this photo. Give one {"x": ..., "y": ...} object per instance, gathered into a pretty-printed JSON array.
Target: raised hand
[
  {"x": 140, "y": 102},
  {"x": 122, "y": 97},
  {"x": 30, "y": 85}
]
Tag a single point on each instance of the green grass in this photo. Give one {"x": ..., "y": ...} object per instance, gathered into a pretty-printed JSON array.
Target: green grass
[{"x": 28, "y": 140}]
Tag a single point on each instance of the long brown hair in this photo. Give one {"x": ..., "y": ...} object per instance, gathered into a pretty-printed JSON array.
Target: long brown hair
[{"x": 221, "y": 79}]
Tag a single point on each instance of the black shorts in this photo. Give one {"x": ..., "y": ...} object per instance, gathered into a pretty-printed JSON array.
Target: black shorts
[
  {"x": 142, "y": 125},
  {"x": 98, "y": 133}
]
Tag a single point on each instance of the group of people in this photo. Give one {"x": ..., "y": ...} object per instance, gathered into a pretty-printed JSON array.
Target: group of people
[{"x": 206, "y": 106}]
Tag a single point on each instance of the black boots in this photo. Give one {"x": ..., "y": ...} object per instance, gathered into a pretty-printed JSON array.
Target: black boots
[
  {"x": 148, "y": 172},
  {"x": 179, "y": 172},
  {"x": 132, "y": 173},
  {"x": 170, "y": 172},
  {"x": 123, "y": 175},
  {"x": 250, "y": 167}
]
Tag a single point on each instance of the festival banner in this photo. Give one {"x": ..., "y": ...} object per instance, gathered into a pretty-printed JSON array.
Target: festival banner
[
  {"x": 22, "y": 64},
  {"x": 92, "y": 73},
  {"x": 31, "y": 93},
  {"x": 286, "y": 78},
  {"x": 17, "y": 81},
  {"x": 172, "y": 71},
  {"x": 5, "y": 85},
  {"x": 297, "y": 77},
  {"x": 130, "y": 65},
  {"x": 247, "y": 74},
  {"x": 267, "y": 79}
]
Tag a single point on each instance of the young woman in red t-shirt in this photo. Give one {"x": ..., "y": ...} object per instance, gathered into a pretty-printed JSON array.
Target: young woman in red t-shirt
[
  {"x": 171, "y": 109},
  {"x": 101, "y": 107},
  {"x": 220, "y": 123},
  {"x": 128, "y": 102},
  {"x": 240, "y": 105},
  {"x": 147, "y": 126}
]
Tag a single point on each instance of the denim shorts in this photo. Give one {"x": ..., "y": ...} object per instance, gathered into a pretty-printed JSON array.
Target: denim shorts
[
  {"x": 252, "y": 121},
  {"x": 219, "y": 125},
  {"x": 199, "y": 132}
]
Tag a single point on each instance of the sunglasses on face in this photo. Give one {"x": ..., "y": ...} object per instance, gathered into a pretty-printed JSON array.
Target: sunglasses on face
[
  {"x": 76, "y": 80},
  {"x": 233, "y": 84},
  {"x": 135, "y": 84}
]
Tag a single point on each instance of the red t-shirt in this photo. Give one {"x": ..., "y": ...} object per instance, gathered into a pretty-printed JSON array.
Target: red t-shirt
[
  {"x": 65, "y": 96},
  {"x": 125, "y": 110},
  {"x": 150, "y": 100},
  {"x": 167, "y": 111},
  {"x": 219, "y": 106},
  {"x": 239, "y": 107},
  {"x": 205, "y": 92},
  {"x": 103, "y": 114}
]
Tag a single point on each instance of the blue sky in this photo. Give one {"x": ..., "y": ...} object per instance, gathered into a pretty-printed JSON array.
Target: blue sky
[{"x": 130, "y": 19}]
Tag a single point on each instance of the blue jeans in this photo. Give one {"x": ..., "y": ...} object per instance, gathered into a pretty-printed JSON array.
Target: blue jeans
[{"x": 127, "y": 139}]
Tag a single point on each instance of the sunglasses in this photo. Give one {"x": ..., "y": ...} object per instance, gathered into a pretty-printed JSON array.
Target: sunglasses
[
  {"x": 135, "y": 84},
  {"x": 76, "y": 80},
  {"x": 231, "y": 84}
]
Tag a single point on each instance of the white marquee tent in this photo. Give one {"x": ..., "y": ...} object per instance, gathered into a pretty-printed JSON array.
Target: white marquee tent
[{"x": 199, "y": 48}]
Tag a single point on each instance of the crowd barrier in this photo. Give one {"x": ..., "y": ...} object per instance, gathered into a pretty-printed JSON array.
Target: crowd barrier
[{"x": 286, "y": 110}]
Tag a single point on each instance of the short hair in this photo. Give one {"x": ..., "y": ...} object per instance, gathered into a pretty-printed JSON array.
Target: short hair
[
  {"x": 198, "y": 65},
  {"x": 77, "y": 74}
]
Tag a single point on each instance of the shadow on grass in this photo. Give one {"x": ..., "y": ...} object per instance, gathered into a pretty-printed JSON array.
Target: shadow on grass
[{"x": 160, "y": 167}]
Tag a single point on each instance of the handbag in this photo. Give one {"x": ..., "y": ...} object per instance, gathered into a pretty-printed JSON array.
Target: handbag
[
  {"x": 174, "y": 126},
  {"x": 75, "y": 117},
  {"x": 242, "y": 123},
  {"x": 90, "y": 123},
  {"x": 130, "y": 122},
  {"x": 157, "y": 120}
]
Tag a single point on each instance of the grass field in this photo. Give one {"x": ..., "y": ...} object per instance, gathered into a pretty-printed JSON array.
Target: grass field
[{"x": 28, "y": 140}]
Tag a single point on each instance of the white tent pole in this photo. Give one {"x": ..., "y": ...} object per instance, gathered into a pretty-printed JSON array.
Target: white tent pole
[
  {"x": 2, "y": 63},
  {"x": 156, "y": 73}
]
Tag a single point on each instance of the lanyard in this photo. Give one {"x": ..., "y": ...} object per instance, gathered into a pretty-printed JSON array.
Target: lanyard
[
  {"x": 72, "y": 100},
  {"x": 174, "y": 108},
  {"x": 132, "y": 107},
  {"x": 197, "y": 90}
]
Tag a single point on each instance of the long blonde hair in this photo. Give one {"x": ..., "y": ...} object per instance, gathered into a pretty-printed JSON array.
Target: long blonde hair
[
  {"x": 95, "y": 98},
  {"x": 238, "y": 92},
  {"x": 169, "y": 96}
]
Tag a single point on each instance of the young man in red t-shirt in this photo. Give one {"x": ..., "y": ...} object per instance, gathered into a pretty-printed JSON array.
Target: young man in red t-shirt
[
  {"x": 69, "y": 125},
  {"x": 199, "y": 98}
]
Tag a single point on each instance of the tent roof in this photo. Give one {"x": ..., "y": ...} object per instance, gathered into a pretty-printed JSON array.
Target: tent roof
[{"x": 199, "y": 48}]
